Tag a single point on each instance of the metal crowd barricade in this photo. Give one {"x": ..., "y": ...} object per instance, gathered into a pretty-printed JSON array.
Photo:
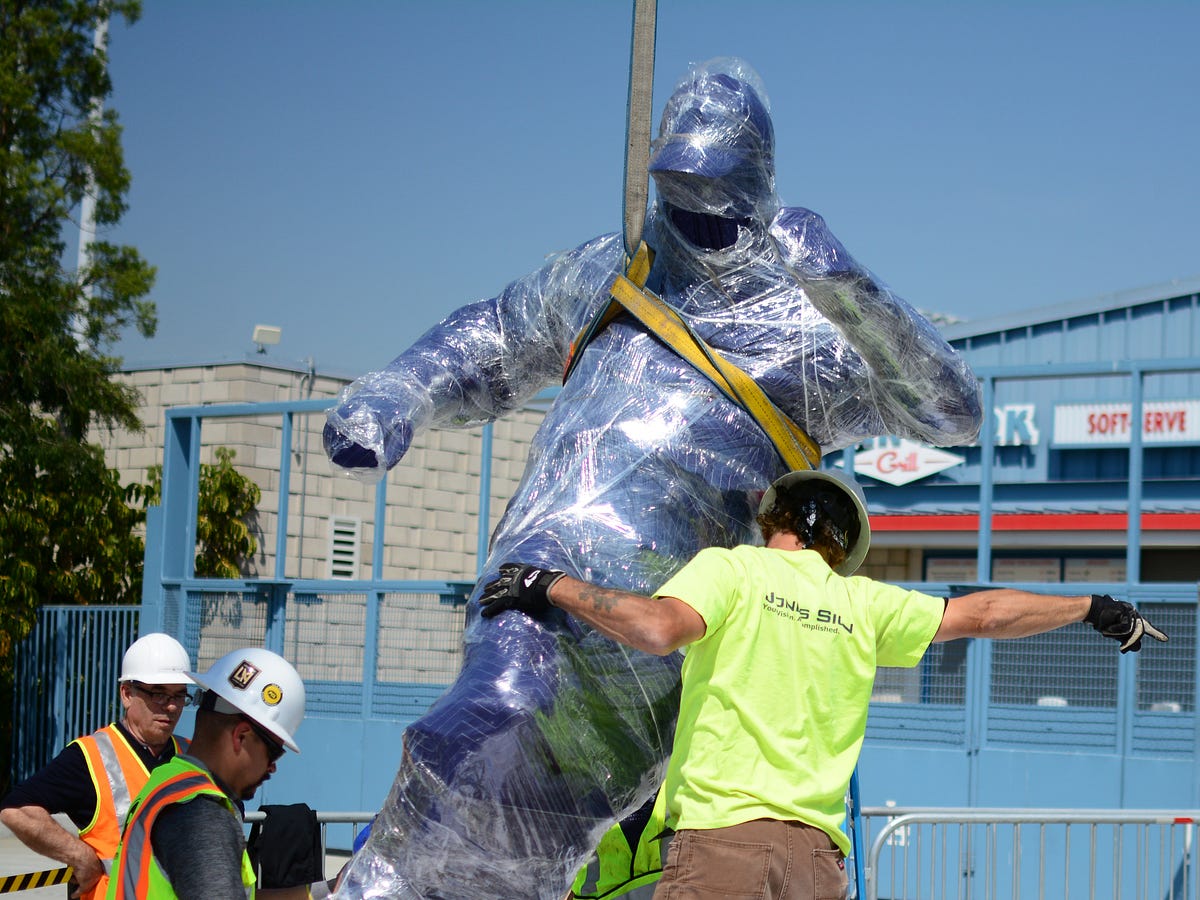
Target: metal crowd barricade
[
  {"x": 965, "y": 854},
  {"x": 1030, "y": 854},
  {"x": 346, "y": 826},
  {"x": 989, "y": 854}
]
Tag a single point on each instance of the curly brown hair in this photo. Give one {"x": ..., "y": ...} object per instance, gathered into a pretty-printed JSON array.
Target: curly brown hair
[{"x": 824, "y": 518}]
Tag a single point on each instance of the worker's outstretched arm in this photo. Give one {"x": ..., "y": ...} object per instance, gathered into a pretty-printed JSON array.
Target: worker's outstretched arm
[
  {"x": 656, "y": 625},
  {"x": 1011, "y": 613}
]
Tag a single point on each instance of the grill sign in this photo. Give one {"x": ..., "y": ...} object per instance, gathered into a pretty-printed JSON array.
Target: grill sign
[
  {"x": 899, "y": 462},
  {"x": 1110, "y": 423}
]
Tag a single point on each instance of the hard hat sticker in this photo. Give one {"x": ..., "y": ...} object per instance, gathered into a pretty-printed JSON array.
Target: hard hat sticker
[
  {"x": 243, "y": 675},
  {"x": 272, "y": 694}
]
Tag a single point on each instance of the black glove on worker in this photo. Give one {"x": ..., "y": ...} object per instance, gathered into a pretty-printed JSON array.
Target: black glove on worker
[
  {"x": 526, "y": 588},
  {"x": 1120, "y": 621}
]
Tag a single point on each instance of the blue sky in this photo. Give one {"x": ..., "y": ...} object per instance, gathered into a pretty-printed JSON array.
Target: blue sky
[{"x": 351, "y": 172}]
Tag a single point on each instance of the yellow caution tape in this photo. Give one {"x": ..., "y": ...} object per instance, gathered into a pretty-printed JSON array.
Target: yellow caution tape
[{"x": 31, "y": 880}]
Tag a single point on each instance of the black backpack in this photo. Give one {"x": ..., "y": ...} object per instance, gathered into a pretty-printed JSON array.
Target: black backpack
[{"x": 285, "y": 847}]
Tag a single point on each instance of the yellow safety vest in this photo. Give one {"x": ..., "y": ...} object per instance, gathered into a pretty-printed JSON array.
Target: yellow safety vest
[
  {"x": 617, "y": 868},
  {"x": 136, "y": 874}
]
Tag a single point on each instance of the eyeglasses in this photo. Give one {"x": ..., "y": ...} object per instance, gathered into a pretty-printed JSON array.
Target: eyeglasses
[
  {"x": 272, "y": 745},
  {"x": 163, "y": 699}
]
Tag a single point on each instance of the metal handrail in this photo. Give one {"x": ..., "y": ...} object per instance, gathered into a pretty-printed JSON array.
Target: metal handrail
[{"x": 324, "y": 819}]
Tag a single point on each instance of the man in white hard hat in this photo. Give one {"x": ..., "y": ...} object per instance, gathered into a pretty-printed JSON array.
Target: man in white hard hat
[
  {"x": 183, "y": 837},
  {"x": 94, "y": 778},
  {"x": 782, "y": 648}
]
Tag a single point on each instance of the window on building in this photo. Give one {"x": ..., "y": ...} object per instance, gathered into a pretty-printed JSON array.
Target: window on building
[
  {"x": 345, "y": 538},
  {"x": 1171, "y": 564}
]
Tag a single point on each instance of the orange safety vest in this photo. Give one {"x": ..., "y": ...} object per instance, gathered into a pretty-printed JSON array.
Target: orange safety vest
[{"x": 118, "y": 775}]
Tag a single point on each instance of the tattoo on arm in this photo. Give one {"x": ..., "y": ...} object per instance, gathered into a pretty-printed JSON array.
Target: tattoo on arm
[{"x": 603, "y": 600}]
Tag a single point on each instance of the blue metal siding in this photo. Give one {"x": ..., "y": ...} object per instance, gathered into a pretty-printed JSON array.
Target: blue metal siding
[
  {"x": 1181, "y": 326},
  {"x": 1157, "y": 329},
  {"x": 1113, "y": 717},
  {"x": 65, "y": 683},
  {"x": 1069, "y": 730}
]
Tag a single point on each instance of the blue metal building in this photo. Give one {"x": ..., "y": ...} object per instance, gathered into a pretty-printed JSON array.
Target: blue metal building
[{"x": 1072, "y": 497}]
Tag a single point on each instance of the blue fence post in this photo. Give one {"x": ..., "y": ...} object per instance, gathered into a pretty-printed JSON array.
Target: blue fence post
[
  {"x": 276, "y": 593},
  {"x": 285, "y": 487},
  {"x": 153, "y": 616},
  {"x": 60, "y": 677},
  {"x": 485, "y": 499},
  {"x": 1133, "y": 542},
  {"x": 987, "y": 453},
  {"x": 180, "y": 495},
  {"x": 370, "y": 651}
]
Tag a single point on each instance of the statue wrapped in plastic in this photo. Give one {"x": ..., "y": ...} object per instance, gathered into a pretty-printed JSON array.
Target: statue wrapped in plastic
[{"x": 551, "y": 731}]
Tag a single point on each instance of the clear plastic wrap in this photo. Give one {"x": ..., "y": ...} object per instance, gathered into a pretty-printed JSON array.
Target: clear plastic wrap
[{"x": 551, "y": 731}]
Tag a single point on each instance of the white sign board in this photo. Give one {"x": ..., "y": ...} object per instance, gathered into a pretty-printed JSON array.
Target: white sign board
[
  {"x": 1109, "y": 424},
  {"x": 899, "y": 462}
]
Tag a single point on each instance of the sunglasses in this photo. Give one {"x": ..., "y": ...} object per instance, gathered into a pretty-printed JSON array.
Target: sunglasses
[
  {"x": 274, "y": 748},
  {"x": 163, "y": 699}
]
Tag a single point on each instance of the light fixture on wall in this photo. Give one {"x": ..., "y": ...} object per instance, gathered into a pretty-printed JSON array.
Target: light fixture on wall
[{"x": 266, "y": 334}]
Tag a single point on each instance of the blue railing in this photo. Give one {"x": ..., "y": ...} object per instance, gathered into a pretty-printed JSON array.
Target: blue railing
[{"x": 66, "y": 674}]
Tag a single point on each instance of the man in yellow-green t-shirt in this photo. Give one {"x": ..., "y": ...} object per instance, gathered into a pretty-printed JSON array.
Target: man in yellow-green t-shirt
[{"x": 782, "y": 647}]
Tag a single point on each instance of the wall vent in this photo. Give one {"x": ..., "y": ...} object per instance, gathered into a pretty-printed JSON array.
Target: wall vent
[{"x": 345, "y": 537}]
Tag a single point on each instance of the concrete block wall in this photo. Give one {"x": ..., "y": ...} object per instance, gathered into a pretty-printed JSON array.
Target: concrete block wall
[{"x": 419, "y": 640}]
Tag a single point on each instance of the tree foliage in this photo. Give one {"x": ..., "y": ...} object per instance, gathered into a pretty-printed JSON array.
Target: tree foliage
[
  {"x": 226, "y": 516},
  {"x": 228, "y": 508},
  {"x": 66, "y": 522}
]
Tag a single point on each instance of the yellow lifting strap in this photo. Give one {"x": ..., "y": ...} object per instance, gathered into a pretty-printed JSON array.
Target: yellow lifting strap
[{"x": 795, "y": 447}]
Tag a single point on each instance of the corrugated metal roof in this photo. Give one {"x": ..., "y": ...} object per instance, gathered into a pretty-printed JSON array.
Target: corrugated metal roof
[{"x": 1179, "y": 287}]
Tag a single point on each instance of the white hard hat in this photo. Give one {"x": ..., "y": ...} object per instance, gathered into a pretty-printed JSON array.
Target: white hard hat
[
  {"x": 156, "y": 659},
  {"x": 260, "y": 684},
  {"x": 847, "y": 487}
]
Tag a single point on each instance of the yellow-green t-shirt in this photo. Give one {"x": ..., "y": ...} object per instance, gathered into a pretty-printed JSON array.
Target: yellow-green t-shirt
[{"x": 774, "y": 702}]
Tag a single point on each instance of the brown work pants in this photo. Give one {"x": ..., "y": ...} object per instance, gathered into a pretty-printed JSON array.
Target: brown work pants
[{"x": 765, "y": 859}]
